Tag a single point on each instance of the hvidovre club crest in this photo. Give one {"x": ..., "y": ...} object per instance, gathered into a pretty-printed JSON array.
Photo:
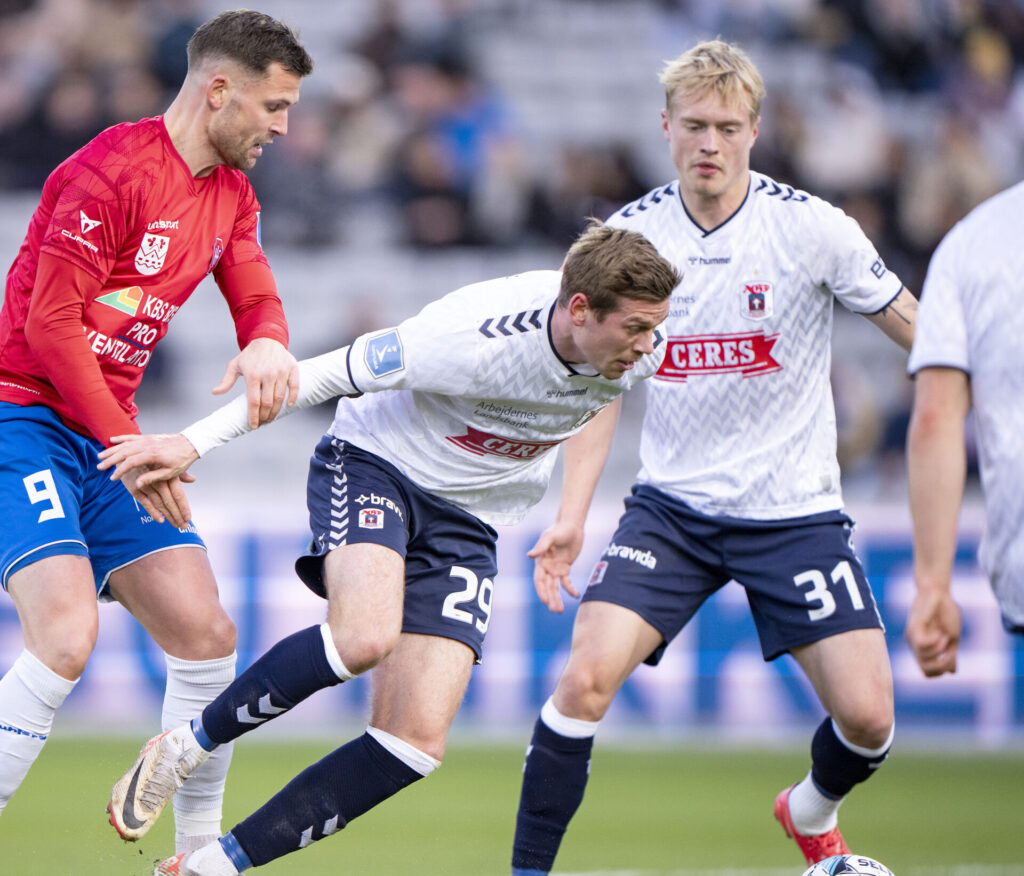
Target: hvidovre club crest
[{"x": 152, "y": 252}]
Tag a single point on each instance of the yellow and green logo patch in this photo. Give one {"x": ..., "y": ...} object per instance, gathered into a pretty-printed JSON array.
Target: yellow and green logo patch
[{"x": 125, "y": 300}]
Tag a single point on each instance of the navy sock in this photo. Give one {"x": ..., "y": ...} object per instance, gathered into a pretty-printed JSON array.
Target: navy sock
[
  {"x": 292, "y": 670},
  {"x": 835, "y": 769},
  {"x": 554, "y": 779},
  {"x": 322, "y": 799}
]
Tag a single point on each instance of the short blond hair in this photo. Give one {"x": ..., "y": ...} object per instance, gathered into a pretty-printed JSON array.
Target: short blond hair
[{"x": 715, "y": 67}]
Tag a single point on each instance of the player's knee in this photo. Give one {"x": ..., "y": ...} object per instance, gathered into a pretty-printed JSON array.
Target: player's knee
[
  {"x": 870, "y": 727},
  {"x": 361, "y": 650},
  {"x": 223, "y": 636},
  {"x": 418, "y": 745},
  {"x": 217, "y": 637},
  {"x": 584, "y": 691},
  {"x": 67, "y": 654},
  {"x": 430, "y": 744}
]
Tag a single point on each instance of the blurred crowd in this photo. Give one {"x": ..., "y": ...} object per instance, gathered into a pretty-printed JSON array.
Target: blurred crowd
[{"x": 906, "y": 113}]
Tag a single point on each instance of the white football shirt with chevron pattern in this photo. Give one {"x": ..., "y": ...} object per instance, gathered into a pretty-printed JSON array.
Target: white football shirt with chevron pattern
[
  {"x": 479, "y": 398},
  {"x": 740, "y": 419},
  {"x": 970, "y": 317}
]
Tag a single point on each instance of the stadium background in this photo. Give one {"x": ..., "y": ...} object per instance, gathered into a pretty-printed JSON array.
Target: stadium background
[{"x": 440, "y": 142}]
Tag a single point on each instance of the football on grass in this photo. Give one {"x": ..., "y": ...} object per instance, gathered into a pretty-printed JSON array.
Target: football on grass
[{"x": 848, "y": 865}]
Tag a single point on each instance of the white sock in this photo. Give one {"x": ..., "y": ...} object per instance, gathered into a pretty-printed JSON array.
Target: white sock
[
  {"x": 812, "y": 812},
  {"x": 30, "y": 694},
  {"x": 333, "y": 657},
  {"x": 188, "y": 842},
  {"x": 191, "y": 686},
  {"x": 210, "y": 860},
  {"x": 572, "y": 728},
  {"x": 412, "y": 757}
]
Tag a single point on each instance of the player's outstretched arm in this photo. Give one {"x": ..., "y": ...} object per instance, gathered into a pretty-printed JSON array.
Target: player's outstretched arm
[{"x": 157, "y": 464}]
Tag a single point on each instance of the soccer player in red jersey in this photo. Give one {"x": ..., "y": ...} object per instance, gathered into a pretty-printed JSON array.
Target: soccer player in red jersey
[{"x": 126, "y": 229}]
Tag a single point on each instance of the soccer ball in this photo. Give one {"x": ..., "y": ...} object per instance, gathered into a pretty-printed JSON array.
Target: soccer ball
[{"x": 848, "y": 865}]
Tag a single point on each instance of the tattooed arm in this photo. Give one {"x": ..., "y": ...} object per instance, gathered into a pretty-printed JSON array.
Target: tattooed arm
[{"x": 898, "y": 317}]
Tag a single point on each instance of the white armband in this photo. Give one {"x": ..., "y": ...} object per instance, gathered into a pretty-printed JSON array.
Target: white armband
[{"x": 321, "y": 378}]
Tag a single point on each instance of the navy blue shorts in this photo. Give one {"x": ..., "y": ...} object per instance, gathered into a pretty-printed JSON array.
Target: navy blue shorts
[
  {"x": 803, "y": 579},
  {"x": 355, "y": 497},
  {"x": 56, "y": 502}
]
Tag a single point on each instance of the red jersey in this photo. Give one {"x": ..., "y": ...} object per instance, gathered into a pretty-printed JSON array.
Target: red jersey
[{"x": 122, "y": 236}]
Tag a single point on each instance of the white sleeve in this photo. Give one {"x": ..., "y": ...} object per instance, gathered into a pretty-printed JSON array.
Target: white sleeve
[
  {"x": 852, "y": 269},
  {"x": 433, "y": 351},
  {"x": 940, "y": 336},
  {"x": 321, "y": 378}
]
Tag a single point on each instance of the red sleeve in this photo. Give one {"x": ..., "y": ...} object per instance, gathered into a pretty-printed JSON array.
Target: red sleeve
[
  {"x": 251, "y": 293},
  {"x": 55, "y": 332}
]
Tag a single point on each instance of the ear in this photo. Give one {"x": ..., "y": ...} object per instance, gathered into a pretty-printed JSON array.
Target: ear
[
  {"x": 579, "y": 307},
  {"x": 218, "y": 89}
]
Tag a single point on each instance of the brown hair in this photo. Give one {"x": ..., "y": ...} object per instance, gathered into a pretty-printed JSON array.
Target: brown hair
[
  {"x": 607, "y": 264},
  {"x": 715, "y": 67},
  {"x": 251, "y": 39}
]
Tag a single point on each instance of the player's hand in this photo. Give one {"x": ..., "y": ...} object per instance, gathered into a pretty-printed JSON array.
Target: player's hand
[
  {"x": 271, "y": 375},
  {"x": 933, "y": 631},
  {"x": 153, "y": 468},
  {"x": 553, "y": 555},
  {"x": 163, "y": 499},
  {"x": 158, "y": 458}
]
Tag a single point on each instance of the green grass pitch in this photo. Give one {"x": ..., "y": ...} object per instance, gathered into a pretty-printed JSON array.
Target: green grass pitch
[{"x": 659, "y": 812}]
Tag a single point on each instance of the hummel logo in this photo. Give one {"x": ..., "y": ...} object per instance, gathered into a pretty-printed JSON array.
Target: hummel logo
[
  {"x": 330, "y": 826},
  {"x": 264, "y": 712},
  {"x": 489, "y": 326},
  {"x": 87, "y": 223}
]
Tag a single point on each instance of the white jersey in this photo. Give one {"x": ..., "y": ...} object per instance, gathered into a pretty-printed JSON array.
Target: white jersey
[
  {"x": 740, "y": 419},
  {"x": 968, "y": 318},
  {"x": 480, "y": 397}
]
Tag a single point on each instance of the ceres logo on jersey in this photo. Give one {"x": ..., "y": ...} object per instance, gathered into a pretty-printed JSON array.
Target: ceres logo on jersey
[
  {"x": 484, "y": 443},
  {"x": 384, "y": 354},
  {"x": 152, "y": 252},
  {"x": 749, "y": 353}
]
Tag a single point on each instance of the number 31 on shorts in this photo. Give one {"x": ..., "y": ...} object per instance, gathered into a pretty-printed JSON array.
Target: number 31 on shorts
[{"x": 820, "y": 593}]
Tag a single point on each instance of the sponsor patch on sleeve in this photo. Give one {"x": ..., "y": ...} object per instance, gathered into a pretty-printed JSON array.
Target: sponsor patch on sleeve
[{"x": 384, "y": 354}]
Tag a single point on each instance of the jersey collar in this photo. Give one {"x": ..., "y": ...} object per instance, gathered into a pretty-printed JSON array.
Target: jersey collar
[
  {"x": 707, "y": 232},
  {"x": 568, "y": 366}
]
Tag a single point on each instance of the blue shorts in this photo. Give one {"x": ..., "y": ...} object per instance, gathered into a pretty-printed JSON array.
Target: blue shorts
[
  {"x": 803, "y": 579},
  {"x": 56, "y": 502},
  {"x": 355, "y": 497}
]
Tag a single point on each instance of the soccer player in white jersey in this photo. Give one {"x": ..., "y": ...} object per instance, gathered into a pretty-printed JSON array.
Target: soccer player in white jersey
[
  {"x": 966, "y": 355},
  {"x": 403, "y": 492},
  {"x": 739, "y": 478}
]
